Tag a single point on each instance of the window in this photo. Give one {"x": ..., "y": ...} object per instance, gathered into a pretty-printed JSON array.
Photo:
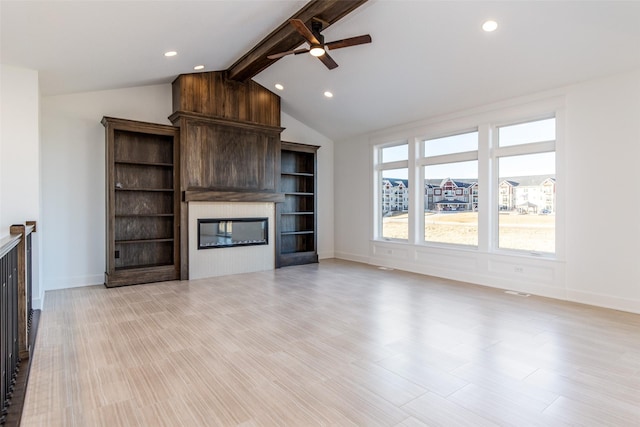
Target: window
[
  {"x": 393, "y": 196},
  {"x": 451, "y": 189},
  {"x": 428, "y": 189},
  {"x": 526, "y": 162}
]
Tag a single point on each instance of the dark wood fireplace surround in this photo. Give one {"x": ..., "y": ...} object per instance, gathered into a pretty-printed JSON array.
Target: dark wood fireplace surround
[{"x": 229, "y": 144}]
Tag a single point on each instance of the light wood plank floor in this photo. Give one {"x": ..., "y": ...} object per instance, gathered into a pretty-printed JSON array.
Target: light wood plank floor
[{"x": 333, "y": 344}]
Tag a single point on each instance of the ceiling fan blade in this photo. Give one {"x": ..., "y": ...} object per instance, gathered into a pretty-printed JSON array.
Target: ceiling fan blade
[
  {"x": 328, "y": 61},
  {"x": 304, "y": 31},
  {"x": 351, "y": 41},
  {"x": 289, "y": 52}
]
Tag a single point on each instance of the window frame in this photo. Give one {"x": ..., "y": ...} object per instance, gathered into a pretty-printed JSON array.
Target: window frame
[
  {"x": 442, "y": 159},
  {"x": 497, "y": 152},
  {"x": 379, "y": 166},
  {"x": 486, "y": 121}
]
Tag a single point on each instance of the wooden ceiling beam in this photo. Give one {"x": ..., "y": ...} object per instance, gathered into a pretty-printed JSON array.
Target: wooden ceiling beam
[{"x": 285, "y": 37}]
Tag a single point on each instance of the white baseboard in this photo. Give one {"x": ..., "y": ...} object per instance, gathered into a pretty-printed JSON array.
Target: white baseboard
[
  {"x": 326, "y": 255},
  {"x": 73, "y": 282},
  {"x": 495, "y": 281},
  {"x": 487, "y": 280},
  {"x": 606, "y": 301},
  {"x": 352, "y": 257}
]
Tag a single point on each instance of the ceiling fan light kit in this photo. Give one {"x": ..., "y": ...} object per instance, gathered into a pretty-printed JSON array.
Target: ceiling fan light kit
[
  {"x": 317, "y": 51},
  {"x": 317, "y": 46}
]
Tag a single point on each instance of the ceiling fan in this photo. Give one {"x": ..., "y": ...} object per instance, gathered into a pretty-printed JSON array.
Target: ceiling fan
[{"x": 317, "y": 46}]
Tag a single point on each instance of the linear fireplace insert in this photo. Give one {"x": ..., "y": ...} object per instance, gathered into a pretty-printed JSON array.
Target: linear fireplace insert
[{"x": 231, "y": 232}]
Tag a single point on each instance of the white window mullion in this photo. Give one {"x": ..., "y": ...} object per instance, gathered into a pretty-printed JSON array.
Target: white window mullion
[
  {"x": 486, "y": 208},
  {"x": 414, "y": 192},
  {"x": 394, "y": 165},
  {"x": 561, "y": 184},
  {"x": 377, "y": 193},
  {"x": 449, "y": 158},
  {"x": 517, "y": 150},
  {"x": 422, "y": 200}
]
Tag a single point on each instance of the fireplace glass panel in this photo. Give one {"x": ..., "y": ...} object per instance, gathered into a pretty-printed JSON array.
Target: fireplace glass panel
[{"x": 230, "y": 232}]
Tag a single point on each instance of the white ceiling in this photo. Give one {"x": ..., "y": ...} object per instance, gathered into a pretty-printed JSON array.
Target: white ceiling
[{"x": 427, "y": 57}]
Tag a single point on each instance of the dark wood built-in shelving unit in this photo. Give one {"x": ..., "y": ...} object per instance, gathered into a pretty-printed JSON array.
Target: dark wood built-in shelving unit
[
  {"x": 296, "y": 241},
  {"x": 143, "y": 242}
]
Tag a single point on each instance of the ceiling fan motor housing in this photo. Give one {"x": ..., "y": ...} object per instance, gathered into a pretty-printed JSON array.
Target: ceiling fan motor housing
[{"x": 316, "y": 28}]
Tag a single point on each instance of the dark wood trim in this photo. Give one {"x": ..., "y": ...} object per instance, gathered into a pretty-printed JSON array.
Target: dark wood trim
[
  {"x": 135, "y": 276},
  {"x": 21, "y": 229},
  {"x": 135, "y": 126},
  {"x": 231, "y": 196},
  {"x": 24, "y": 294},
  {"x": 184, "y": 240},
  {"x": 203, "y": 118},
  {"x": 296, "y": 146},
  {"x": 297, "y": 259},
  {"x": 285, "y": 37}
]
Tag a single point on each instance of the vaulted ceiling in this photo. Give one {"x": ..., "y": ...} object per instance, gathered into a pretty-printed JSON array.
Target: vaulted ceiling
[{"x": 427, "y": 57}]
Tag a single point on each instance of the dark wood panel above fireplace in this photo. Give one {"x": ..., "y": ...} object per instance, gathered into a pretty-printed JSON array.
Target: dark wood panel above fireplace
[
  {"x": 214, "y": 95},
  {"x": 226, "y": 155}
]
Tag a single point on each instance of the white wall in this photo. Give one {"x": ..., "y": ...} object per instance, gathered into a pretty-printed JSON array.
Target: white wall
[
  {"x": 73, "y": 175},
  {"x": 20, "y": 156},
  {"x": 598, "y": 159},
  {"x": 298, "y": 132},
  {"x": 353, "y": 196},
  {"x": 603, "y": 153}
]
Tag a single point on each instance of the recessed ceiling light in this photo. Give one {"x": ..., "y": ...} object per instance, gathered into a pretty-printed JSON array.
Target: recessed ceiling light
[
  {"x": 328, "y": 94},
  {"x": 171, "y": 53},
  {"x": 199, "y": 67},
  {"x": 490, "y": 26},
  {"x": 279, "y": 86}
]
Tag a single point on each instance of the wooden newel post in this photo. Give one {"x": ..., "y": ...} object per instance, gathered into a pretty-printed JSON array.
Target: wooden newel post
[{"x": 24, "y": 294}]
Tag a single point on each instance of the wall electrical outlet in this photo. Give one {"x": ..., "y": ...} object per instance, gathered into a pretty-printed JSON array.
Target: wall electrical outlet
[{"x": 519, "y": 270}]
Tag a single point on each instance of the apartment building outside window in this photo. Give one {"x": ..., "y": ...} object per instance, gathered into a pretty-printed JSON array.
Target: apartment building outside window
[
  {"x": 526, "y": 163},
  {"x": 450, "y": 166},
  {"x": 392, "y": 173}
]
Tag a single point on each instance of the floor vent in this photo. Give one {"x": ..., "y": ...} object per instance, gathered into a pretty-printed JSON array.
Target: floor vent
[{"x": 519, "y": 294}]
